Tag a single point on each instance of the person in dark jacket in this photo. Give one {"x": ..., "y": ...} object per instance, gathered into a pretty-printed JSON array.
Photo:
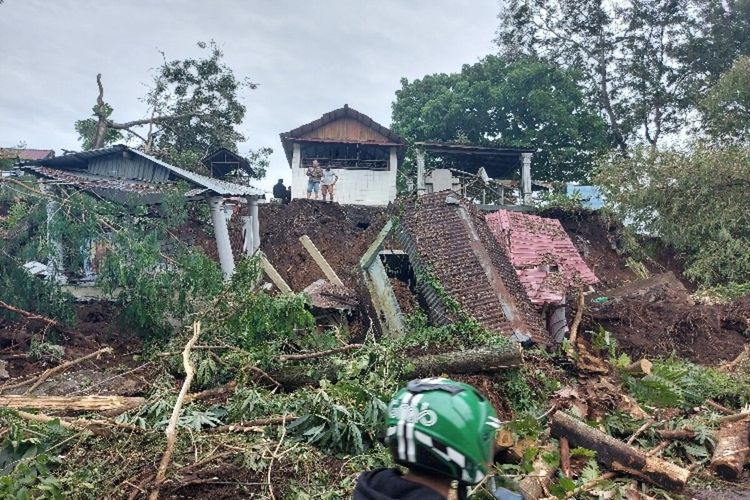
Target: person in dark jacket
[
  {"x": 443, "y": 432},
  {"x": 279, "y": 190}
]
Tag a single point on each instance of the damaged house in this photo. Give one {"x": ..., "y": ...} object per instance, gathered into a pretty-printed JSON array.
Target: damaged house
[
  {"x": 131, "y": 177},
  {"x": 547, "y": 262},
  {"x": 362, "y": 153},
  {"x": 459, "y": 267}
]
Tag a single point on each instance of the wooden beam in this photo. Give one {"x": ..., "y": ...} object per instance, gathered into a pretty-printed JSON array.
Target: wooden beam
[
  {"x": 320, "y": 260},
  {"x": 372, "y": 252},
  {"x": 70, "y": 403},
  {"x": 274, "y": 275}
]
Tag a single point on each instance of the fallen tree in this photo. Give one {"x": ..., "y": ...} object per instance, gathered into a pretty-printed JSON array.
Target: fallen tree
[
  {"x": 70, "y": 403},
  {"x": 731, "y": 452},
  {"x": 618, "y": 455},
  {"x": 486, "y": 360}
]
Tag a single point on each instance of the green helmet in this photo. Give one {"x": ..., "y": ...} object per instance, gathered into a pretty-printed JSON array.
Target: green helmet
[{"x": 439, "y": 426}]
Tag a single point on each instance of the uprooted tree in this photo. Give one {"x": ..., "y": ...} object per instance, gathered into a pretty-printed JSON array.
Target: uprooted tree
[{"x": 193, "y": 107}]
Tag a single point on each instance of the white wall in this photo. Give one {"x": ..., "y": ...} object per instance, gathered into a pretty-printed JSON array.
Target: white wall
[{"x": 354, "y": 187}]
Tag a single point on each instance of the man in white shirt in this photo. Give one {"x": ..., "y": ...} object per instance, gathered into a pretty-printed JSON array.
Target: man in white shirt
[{"x": 328, "y": 182}]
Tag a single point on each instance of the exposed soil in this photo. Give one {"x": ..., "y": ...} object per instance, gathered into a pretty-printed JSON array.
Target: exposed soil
[
  {"x": 97, "y": 325},
  {"x": 342, "y": 233},
  {"x": 665, "y": 321},
  {"x": 406, "y": 298},
  {"x": 598, "y": 242}
]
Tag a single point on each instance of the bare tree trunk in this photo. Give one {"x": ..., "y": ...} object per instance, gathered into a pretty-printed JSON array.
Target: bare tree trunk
[
  {"x": 101, "y": 114},
  {"x": 618, "y": 455}
]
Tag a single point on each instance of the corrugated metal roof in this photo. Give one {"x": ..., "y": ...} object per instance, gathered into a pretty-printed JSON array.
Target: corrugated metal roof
[
  {"x": 79, "y": 161},
  {"x": 445, "y": 236},
  {"x": 536, "y": 244}
]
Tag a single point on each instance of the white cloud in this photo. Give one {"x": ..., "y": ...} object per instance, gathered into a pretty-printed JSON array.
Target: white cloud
[{"x": 309, "y": 57}]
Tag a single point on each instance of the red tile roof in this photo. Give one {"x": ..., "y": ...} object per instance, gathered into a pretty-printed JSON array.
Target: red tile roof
[
  {"x": 536, "y": 243},
  {"x": 26, "y": 154}
]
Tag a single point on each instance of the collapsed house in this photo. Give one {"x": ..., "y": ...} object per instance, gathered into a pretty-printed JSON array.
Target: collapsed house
[
  {"x": 364, "y": 155},
  {"x": 459, "y": 267},
  {"x": 546, "y": 262},
  {"x": 131, "y": 177}
]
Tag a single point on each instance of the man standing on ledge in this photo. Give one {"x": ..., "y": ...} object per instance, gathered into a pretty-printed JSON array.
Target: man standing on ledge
[
  {"x": 314, "y": 175},
  {"x": 329, "y": 180}
]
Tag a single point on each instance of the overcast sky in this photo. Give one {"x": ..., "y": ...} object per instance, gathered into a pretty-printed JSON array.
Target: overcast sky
[{"x": 308, "y": 57}]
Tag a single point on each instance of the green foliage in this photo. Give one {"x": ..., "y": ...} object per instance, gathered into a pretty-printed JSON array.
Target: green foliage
[
  {"x": 696, "y": 202},
  {"x": 726, "y": 107},
  {"x": 26, "y": 462},
  {"x": 258, "y": 321},
  {"x": 209, "y": 90},
  {"x": 86, "y": 130},
  {"x": 499, "y": 102},
  {"x": 21, "y": 289},
  {"x": 644, "y": 64},
  {"x": 344, "y": 418},
  {"x": 678, "y": 383}
]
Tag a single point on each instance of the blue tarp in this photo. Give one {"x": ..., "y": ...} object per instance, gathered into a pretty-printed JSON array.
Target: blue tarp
[{"x": 590, "y": 195}]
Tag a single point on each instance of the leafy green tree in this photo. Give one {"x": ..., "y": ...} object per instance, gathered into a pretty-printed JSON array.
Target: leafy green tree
[
  {"x": 716, "y": 37},
  {"x": 626, "y": 53},
  {"x": 726, "y": 107},
  {"x": 498, "y": 102},
  {"x": 193, "y": 107},
  {"x": 696, "y": 202}
]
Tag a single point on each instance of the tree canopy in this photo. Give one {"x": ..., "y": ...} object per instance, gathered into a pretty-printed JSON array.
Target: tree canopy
[
  {"x": 696, "y": 202},
  {"x": 497, "y": 102},
  {"x": 726, "y": 107},
  {"x": 193, "y": 107}
]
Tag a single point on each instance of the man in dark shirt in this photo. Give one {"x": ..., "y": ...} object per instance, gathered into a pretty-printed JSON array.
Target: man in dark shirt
[{"x": 279, "y": 190}]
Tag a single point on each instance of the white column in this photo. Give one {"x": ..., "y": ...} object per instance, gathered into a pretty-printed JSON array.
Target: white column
[
  {"x": 55, "y": 250},
  {"x": 247, "y": 234},
  {"x": 299, "y": 180},
  {"x": 526, "y": 178},
  {"x": 253, "y": 206},
  {"x": 221, "y": 233},
  {"x": 393, "y": 177},
  {"x": 420, "y": 173}
]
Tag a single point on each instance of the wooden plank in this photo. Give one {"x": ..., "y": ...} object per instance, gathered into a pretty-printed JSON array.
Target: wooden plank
[
  {"x": 374, "y": 249},
  {"x": 70, "y": 403},
  {"x": 320, "y": 260},
  {"x": 274, "y": 275}
]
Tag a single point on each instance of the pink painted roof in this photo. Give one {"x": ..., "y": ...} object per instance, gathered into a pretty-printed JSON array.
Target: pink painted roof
[
  {"x": 26, "y": 154},
  {"x": 536, "y": 242}
]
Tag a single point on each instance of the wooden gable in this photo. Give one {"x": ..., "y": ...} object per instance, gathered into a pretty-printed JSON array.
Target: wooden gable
[{"x": 346, "y": 130}]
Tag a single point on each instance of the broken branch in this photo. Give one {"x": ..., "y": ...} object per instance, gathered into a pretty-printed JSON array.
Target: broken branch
[
  {"x": 321, "y": 354},
  {"x": 61, "y": 368},
  {"x": 172, "y": 427},
  {"x": 28, "y": 315}
]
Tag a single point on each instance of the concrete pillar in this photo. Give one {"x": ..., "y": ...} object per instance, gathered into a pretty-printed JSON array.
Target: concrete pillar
[
  {"x": 557, "y": 324},
  {"x": 526, "y": 178},
  {"x": 253, "y": 206},
  {"x": 393, "y": 167},
  {"x": 421, "y": 189},
  {"x": 221, "y": 233},
  {"x": 54, "y": 244},
  {"x": 247, "y": 234}
]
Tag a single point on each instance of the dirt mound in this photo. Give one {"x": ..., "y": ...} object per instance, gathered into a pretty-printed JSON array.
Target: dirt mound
[
  {"x": 665, "y": 321},
  {"x": 342, "y": 233},
  {"x": 598, "y": 241}
]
